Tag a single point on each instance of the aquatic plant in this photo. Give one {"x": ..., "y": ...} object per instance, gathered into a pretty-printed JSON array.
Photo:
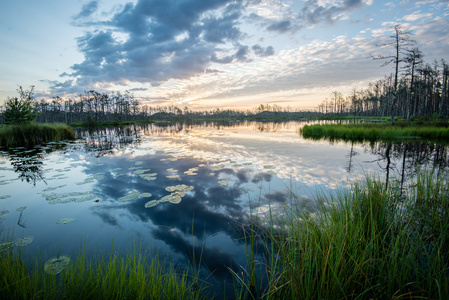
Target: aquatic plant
[
  {"x": 373, "y": 131},
  {"x": 31, "y": 134},
  {"x": 368, "y": 242},
  {"x": 120, "y": 276}
]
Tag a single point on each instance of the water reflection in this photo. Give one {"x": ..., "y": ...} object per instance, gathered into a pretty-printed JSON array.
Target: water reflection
[{"x": 238, "y": 171}]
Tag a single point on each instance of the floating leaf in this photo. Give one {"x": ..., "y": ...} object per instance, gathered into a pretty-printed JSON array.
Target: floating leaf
[
  {"x": 172, "y": 198},
  {"x": 22, "y": 208},
  {"x": 56, "y": 265},
  {"x": 6, "y": 246},
  {"x": 151, "y": 203},
  {"x": 3, "y": 212},
  {"x": 23, "y": 242},
  {"x": 138, "y": 163},
  {"x": 5, "y": 197},
  {"x": 129, "y": 197},
  {"x": 148, "y": 177},
  {"x": 66, "y": 221},
  {"x": 146, "y": 195},
  {"x": 179, "y": 188},
  {"x": 173, "y": 176},
  {"x": 268, "y": 167},
  {"x": 171, "y": 170},
  {"x": 223, "y": 182}
]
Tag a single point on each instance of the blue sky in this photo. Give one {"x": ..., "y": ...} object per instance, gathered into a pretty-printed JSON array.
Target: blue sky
[{"x": 209, "y": 53}]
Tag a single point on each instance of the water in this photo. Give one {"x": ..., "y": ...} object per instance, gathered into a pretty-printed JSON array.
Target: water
[{"x": 200, "y": 182}]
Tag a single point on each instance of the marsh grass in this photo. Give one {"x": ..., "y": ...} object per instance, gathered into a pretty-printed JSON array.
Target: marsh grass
[
  {"x": 31, "y": 134},
  {"x": 366, "y": 243},
  {"x": 129, "y": 276},
  {"x": 375, "y": 131}
]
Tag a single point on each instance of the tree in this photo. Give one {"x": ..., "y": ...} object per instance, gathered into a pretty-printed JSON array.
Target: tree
[
  {"x": 401, "y": 40},
  {"x": 19, "y": 110}
]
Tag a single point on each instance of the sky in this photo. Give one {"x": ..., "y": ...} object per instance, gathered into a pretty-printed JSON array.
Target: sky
[{"x": 207, "y": 54}]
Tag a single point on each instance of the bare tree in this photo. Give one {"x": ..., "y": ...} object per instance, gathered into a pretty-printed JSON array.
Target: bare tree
[{"x": 401, "y": 42}]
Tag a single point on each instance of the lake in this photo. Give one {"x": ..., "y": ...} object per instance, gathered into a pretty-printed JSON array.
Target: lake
[{"x": 179, "y": 188}]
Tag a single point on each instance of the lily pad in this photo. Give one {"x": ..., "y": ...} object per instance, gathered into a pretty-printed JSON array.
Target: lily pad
[
  {"x": 179, "y": 188},
  {"x": 6, "y": 246},
  {"x": 151, "y": 203},
  {"x": 65, "y": 221},
  {"x": 5, "y": 197},
  {"x": 22, "y": 208},
  {"x": 23, "y": 242},
  {"x": 145, "y": 195},
  {"x": 149, "y": 177},
  {"x": 173, "y": 176},
  {"x": 3, "y": 212},
  {"x": 129, "y": 197},
  {"x": 172, "y": 198},
  {"x": 223, "y": 182},
  {"x": 268, "y": 167},
  {"x": 171, "y": 170},
  {"x": 56, "y": 265}
]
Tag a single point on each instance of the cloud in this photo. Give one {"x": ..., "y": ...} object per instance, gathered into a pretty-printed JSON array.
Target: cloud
[
  {"x": 87, "y": 10},
  {"x": 315, "y": 11},
  {"x": 261, "y": 52},
  {"x": 153, "y": 41},
  {"x": 280, "y": 27}
]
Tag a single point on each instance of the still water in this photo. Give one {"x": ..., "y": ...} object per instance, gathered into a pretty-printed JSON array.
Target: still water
[{"x": 178, "y": 187}]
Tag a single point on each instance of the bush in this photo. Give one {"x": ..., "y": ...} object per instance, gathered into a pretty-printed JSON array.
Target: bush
[{"x": 20, "y": 110}]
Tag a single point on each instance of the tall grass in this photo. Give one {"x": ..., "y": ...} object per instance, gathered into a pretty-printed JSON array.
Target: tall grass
[
  {"x": 371, "y": 131},
  {"x": 367, "y": 243},
  {"x": 116, "y": 277},
  {"x": 28, "y": 135}
]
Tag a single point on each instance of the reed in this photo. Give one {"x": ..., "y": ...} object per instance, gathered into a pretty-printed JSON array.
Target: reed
[
  {"x": 366, "y": 243},
  {"x": 129, "y": 276},
  {"x": 31, "y": 134},
  {"x": 373, "y": 131}
]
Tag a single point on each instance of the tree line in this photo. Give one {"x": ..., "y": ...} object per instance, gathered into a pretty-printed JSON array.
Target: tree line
[
  {"x": 92, "y": 107},
  {"x": 415, "y": 88}
]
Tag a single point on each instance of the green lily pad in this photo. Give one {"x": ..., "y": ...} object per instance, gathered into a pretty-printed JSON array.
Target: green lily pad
[
  {"x": 65, "y": 221},
  {"x": 179, "y": 188},
  {"x": 3, "y": 212},
  {"x": 173, "y": 176},
  {"x": 56, "y": 265},
  {"x": 6, "y": 246},
  {"x": 145, "y": 195},
  {"x": 223, "y": 182},
  {"x": 171, "y": 170},
  {"x": 151, "y": 203},
  {"x": 5, "y": 197},
  {"x": 22, "y": 208},
  {"x": 129, "y": 197},
  {"x": 23, "y": 242},
  {"x": 149, "y": 177}
]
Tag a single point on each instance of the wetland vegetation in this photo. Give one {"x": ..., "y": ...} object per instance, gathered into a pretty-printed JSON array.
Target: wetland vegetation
[{"x": 366, "y": 242}]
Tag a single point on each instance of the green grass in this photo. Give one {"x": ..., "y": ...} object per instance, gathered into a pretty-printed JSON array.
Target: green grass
[
  {"x": 116, "y": 277},
  {"x": 372, "y": 131},
  {"x": 366, "y": 243},
  {"x": 28, "y": 135}
]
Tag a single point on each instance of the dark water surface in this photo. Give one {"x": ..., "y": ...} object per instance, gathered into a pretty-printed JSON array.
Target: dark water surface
[{"x": 180, "y": 187}]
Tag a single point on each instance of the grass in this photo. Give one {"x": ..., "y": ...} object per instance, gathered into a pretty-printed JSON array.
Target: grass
[
  {"x": 375, "y": 131},
  {"x": 117, "y": 277},
  {"x": 31, "y": 134},
  {"x": 366, "y": 243}
]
